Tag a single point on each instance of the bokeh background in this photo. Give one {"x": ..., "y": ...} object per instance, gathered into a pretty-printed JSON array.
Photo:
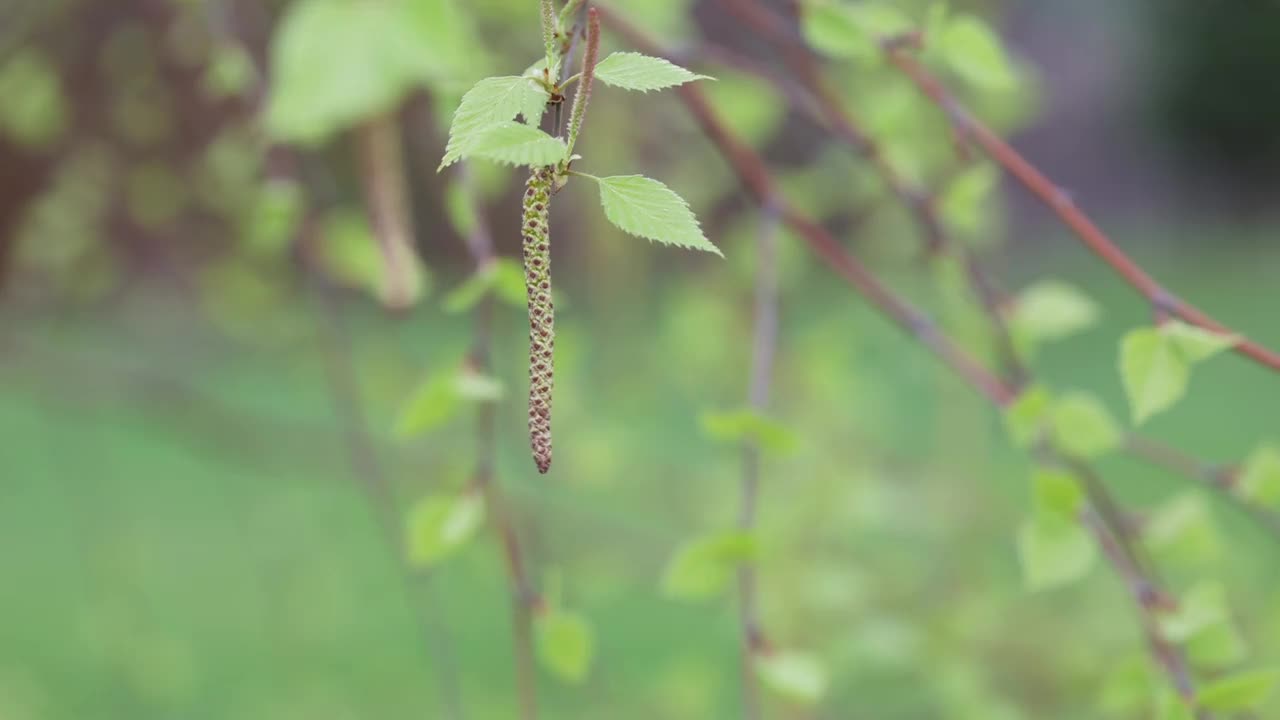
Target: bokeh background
[{"x": 194, "y": 402}]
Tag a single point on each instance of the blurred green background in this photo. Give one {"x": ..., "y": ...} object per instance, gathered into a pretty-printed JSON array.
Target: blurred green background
[{"x": 193, "y": 404}]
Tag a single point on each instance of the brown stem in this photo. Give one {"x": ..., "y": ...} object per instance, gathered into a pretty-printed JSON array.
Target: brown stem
[
  {"x": 763, "y": 353},
  {"x": 583, "y": 94}
]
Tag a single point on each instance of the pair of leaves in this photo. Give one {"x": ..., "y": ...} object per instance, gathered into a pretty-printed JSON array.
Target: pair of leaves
[
  {"x": 1054, "y": 549},
  {"x": 1155, "y": 364},
  {"x": 1203, "y": 625},
  {"x": 703, "y": 567},
  {"x": 490, "y": 106},
  {"x": 1077, "y": 424},
  {"x": 440, "y": 525}
]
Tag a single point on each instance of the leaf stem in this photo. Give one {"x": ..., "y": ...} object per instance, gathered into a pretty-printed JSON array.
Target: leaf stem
[{"x": 583, "y": 95}]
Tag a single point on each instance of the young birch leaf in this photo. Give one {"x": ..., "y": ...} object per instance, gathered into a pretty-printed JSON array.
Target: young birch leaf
[
  {"x": 852, "y": 31},
  {"x": 1199, "y": 609},
  {"x": 1154, "y": 373},
  {"x": 1260, "y": 478},
  {"x": 633, "y": 71},
  {"x": 490, "y": 102},
  {"x": 702, "y": 567},
  {"x": 740, "y": 425},
  {"x": 513, "y": 143},
  {"x": 1054, "y": 310},
  {"x": 431, "y": 405},
  {"x": 440, "y": 525},
  {"x": 1240, "y": 692},
  {"x": 1027, "y": 417},
  {"x": 796, "y": 675},
  {"x": 1054, "y": 551},
  {"x": 565, "y": 644},
  {"x": 1082, "y": 426},
  {"x": 646, "y": 208},
  {"x": 1196, "y": 344},
  {"x": 976, "y": 53}
]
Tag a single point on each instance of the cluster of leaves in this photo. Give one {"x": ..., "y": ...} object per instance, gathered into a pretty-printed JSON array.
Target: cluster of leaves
[{"x": 484, "y": 126}]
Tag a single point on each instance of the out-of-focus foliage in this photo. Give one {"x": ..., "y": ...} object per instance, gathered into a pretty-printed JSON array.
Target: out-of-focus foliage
[{"x": 183, "y": 515}]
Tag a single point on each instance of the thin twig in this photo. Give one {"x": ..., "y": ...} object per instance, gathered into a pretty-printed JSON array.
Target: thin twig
[{"x": 763, "y": 353}]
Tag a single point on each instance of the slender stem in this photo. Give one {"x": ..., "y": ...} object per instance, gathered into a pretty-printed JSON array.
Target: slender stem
[
  {"x": 524, "y": 598},
  {"x": 763, "y": 353},
  {"x": 583, "y": 94}
]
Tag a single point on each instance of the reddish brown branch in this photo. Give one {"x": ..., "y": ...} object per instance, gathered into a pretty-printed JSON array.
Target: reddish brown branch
[{"x": 1060, "y": 202}]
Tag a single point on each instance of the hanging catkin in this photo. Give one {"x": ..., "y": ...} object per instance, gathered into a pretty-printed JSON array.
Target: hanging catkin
[{"x": 536, "y": 232}]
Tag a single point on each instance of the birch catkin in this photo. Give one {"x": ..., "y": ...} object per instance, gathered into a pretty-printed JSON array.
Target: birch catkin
[{"x": 536, "y": 232}]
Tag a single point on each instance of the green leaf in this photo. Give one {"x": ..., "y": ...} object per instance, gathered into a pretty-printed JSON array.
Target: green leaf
[
  {"x": 336, "y": 62},
  {"x": 490, "y": 102},
  {"x": 34, "y": 110},
  {"x": 852, "y": 31},
  {"x": 1260, "y": 476},
  {"x": 269, "y": 225},
  {"x": 441, "y": 524},
  {"x": 230, "y": 71},
  {"x": 738, "y": 425},
  {"x": 1027, "y": 417},
  {"x": 349, "y": 251},
  {"x": 1058, "y": 495},
  {"x": 646, "y": 208},
  {"x": 964, "y": 205},
  {"x": 513, "y": 143},
  {"x": 1239, "y": 692},
  {"x": 1200, "y": 608},
  {"x": 633, "y": 71},
  {"x": 1217, "y": 647},
  {"x": 701, "y": 568},
  {"x": 792, "y": 674},
  {"x": 974, "y": 51},
  {"x": 431, "y": 405},
  {"x": 565, "y": 644},
  {"x": 1053, "y": 310},
  {"x": 1194, "y": 343},
  {"x": 1154, "y": 372},
  {"x": 478, "y": 387},
  {"x": 1053, "y": 552},
  {"x": 501, "y": 277},
  {"x": 1082, "y": 426},
  {"x": 1183, "y": 530}
]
